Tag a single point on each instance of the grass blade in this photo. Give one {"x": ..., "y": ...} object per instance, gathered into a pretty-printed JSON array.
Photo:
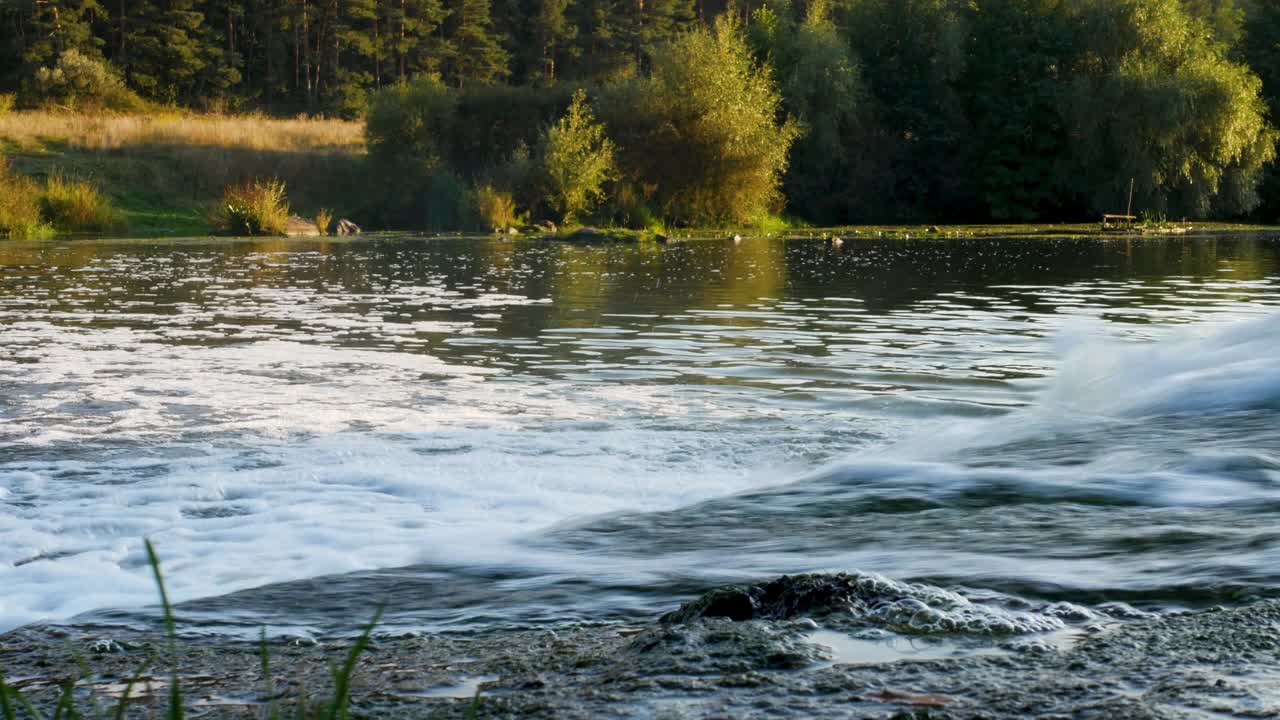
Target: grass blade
[
  {"x": 273, "y": 712},
  {"x": 26, "y": 705},
  {"x": 170, "y": 628},
  {"x": 6, "y": 707},
  {"x": 64, "y": 701},
  {"x": 123, "y": 705},
  {"x": 473, "y": 710},
  {"x": 342, "y": 678}
]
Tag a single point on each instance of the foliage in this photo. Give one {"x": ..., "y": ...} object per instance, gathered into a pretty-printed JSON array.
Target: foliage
[
  {"x": 448, "y": 205},
  {"x": 822, "y": 88},
  {"x": 253, "y": 207},
  {"x": 907, "y": 161},
  {"x": 1157, "y": 101},
  {"x": 77, "y": 206},
  {"x": 703, "y": 130},
  {"x": 937, "y": 110},
  {"x": 81, "y": 82},
  {"x": 478, "y": 55},
  {"x": 411, "y": 120},
  {"x": 576, "y": 158},
  {"x": 7, "y": 101},
  {"x": 324, "y": 220},
  {"x": 19, "y": 205},
  {"x": 337, "y": 707},
  {"x": 492, "y": 209}
]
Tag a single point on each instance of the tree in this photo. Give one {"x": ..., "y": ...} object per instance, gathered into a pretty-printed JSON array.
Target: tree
[
  {"x": 410, "y": 38},
  {"x": 576, "y": 158},
  {"x": 1156, "y": 100},
  {"x": 1018, "y": 60},
  {"x": 822, "y": 88},
  {"x": 703, "y": 131},
  {"x": 910, "y": 163},
  {"x": 477, "y": 55},
  {"x": 554, "y": 35},
  {"x": 165, "y": 56}
]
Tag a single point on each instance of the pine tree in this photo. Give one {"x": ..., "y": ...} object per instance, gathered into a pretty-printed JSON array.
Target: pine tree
[
  {"x": 56, "y": 26},
  {"x": 163, "y": 53},
  {"x": 554, "y": 35},
  {"x": 410, "y": 39},
  {"x": 477, "y": 55}
]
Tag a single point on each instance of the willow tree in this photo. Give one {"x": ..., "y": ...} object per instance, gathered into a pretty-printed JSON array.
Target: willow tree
[
  {"x": 1156, "y": 99},
  {"x": 702, "y": 134},
  {"x": 822, "y": 88}
]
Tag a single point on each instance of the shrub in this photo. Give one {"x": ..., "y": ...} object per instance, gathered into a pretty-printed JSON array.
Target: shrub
[
  {"x": 409, "y": 123},
  {"x": 448, "y": 203},
  {"x": 78, "y": 206},
  {"x": 19, "y": 206},
  {"x": 493, "y": 209},
  {"x": 254, "y": 207},
  {"x": 576, "y": 159},
  {"x": 703, "y": 130},
  {"x": 324, "y": 220},
  {"x": 82, "y": 82},
  {"x": 7, "y": 102}
]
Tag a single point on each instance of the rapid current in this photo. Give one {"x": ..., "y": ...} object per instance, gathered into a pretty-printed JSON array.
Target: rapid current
[{"x": 487, "y": 433}]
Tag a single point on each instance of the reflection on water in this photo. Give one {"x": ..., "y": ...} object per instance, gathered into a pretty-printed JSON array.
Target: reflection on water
[{"x": 485, "y": 430}]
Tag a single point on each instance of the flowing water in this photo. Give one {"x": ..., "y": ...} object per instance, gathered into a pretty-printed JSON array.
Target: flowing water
[{"x": 483, "y": 433}]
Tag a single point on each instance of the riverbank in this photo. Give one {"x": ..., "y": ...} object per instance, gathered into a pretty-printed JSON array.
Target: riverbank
[
  {"x": 165, "y": 171},
  {"x": 802, "y": 663}
]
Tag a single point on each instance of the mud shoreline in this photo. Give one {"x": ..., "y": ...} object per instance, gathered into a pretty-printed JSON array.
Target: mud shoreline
[{"x": 1211, "y": 663}]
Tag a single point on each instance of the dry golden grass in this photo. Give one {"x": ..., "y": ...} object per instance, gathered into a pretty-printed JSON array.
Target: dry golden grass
[{"x": 35, "y": 129}]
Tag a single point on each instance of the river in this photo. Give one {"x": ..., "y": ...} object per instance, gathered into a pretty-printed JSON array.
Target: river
[{"x": 486, "y": 433}]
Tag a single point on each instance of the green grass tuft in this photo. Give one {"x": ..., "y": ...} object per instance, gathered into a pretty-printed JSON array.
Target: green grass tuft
[
  {"x": 20, "y": 206},
  {"x": 255, "y": 207},
  {"x": 77, "y": 206}
]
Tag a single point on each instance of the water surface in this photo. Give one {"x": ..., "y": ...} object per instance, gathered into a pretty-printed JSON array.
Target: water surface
[{"x": 487, "y": 433}]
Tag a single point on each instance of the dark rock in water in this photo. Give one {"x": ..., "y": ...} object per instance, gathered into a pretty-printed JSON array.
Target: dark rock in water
[
  {"x": 784, "y": 598},
  {"x": 300, "y": 227},
  {"x": 586, "y": 234},
  {"x": 934, "y": 229},
  {"x": 346, "y": 227},
  {"x": 863, "y": 600}
]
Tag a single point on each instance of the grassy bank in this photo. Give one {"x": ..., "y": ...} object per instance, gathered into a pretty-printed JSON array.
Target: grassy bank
[{"x": 166, "y": 171}]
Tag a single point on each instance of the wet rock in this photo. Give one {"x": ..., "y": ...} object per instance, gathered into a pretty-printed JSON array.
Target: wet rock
[
  {"x": 300, "y": 227},
  {"x": 853, "y": 600},
  {"x": 586, "y": 234},
  {"x": 345, "y": 227}
]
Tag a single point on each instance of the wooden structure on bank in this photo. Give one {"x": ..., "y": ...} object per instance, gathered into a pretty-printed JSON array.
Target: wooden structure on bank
[{"x": 1125, "y": 222}]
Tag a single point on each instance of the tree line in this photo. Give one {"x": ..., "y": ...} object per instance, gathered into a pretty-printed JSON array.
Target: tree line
[{"x": 833, "y": 111}]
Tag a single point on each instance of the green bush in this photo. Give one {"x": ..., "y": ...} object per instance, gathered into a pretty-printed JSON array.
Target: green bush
[
  {"x": 77, "y": 206},
  {"x": 492, "y": 209},
  {"x": 7, "y": 101},
  {"x": 409, "y": 124},
  {"x": 576, "y": 159},
  {"x": 703, "y": 130},
  {"x": 254, "y": 207},
  {"x": 19, "y": 206},
  {"x": 80, "y": 82},
  {"x": 447, "y": 204}
]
